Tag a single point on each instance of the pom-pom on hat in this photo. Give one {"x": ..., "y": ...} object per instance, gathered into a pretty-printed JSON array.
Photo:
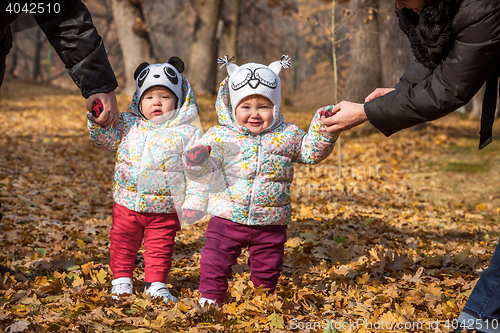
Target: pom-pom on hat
[
  {"x": 255, "y": 79},
  {"x": 165, "y": 75}
]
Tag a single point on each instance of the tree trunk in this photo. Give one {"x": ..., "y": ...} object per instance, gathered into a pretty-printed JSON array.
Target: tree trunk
[
  {"x": 134, "y": 39},
  {"x": 233, "y": 27},
  {"x": 395, "y": 50},
  {"x": 364, "y": 66},
  {"x": 203, "y": 60},
  {"x": 37, "y": 61}
]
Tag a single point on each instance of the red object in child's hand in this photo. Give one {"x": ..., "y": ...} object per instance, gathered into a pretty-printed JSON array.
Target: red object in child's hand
[
  {"x": 198, "y": 155},
  {"x": 97, "y": 108},
  {"x": 327, "y": 113}
]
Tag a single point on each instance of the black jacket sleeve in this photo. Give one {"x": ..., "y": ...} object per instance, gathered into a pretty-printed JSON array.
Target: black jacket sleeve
[
  {"x": 77, "y": 42},
  {"x": 423, "y": 96}
]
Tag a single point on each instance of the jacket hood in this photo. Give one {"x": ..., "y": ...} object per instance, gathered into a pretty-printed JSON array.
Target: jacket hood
[
  {"x": 225, "y": 112},
  {"x": 186, "y": 114}
]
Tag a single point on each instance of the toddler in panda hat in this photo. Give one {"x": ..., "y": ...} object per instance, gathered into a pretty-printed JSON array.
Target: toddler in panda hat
[
  {"x": 149, "y": 186},
  {"x": 255, "y": 149}
]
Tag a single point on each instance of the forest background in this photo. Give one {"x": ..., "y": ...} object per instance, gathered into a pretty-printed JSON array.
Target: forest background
[{"x": 386, "y": 230}]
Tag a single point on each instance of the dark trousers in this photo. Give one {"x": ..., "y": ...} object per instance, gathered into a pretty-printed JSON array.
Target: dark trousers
[
  {"x": 482, "y": 310},
  {"x": 5, "y": 46},
  {"x": 225, "y": 239}
]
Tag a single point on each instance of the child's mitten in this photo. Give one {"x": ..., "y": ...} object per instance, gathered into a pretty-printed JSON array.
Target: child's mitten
[
  {"x": 191, "y": 216},
  {"x": 97, "y": 108},
  {"x": 198, "y": 155}
]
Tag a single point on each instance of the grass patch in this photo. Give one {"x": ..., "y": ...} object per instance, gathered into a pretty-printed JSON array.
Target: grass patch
[{"x": 466, "y": 167}]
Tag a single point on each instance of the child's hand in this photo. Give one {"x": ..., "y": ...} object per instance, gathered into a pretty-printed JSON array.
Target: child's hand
[
  {"x": 191, "y": 216},
  {"x": 198, "y": 155}
]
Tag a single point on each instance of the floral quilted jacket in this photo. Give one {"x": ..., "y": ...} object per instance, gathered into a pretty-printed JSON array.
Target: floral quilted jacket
[
  {"x": 250, "y": 174},
  {"x": 148, "y": 174}
]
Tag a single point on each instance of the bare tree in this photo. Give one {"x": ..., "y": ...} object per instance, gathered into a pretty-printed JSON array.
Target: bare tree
[
  {"x": 203, "y": 60},
  {"x": 232, "y": 27},
  {"x": 364, "y": 69},
  {"x": 134, "y": 39},
  {"x": 37, "y": 61},
  {"x": 395, "y": 50}
]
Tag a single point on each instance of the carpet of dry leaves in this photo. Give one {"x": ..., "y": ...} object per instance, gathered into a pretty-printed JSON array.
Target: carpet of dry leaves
[{"x": 393, "y": 241}]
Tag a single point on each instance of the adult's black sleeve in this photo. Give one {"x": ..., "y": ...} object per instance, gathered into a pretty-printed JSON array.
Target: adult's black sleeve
[
  {"x": 77, "y": 42},
  {"x": 422, "y": 96}
]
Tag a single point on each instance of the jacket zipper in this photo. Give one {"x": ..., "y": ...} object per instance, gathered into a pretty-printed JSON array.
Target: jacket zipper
[
  {"x": 140, "y": 180},
  {"x": 252, "y": 197}
]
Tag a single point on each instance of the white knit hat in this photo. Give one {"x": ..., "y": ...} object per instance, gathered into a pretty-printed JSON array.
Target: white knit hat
[
  {"x": 255, "y": 79},
  {"x": 165, "y": 75}
]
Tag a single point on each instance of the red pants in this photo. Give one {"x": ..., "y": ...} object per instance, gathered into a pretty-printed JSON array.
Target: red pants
[{"x": 127, "y": 232}]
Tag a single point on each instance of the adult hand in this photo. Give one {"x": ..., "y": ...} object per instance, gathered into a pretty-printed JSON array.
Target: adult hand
[
  {"x": 377, "y": 93},
  {"x": 109, "y": 115},
  {"x": 346, "y": 115}
]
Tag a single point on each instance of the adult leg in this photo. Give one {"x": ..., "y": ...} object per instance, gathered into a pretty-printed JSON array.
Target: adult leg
[
  {"x": 266, "y": 255},
  {"x": 482, "y": 310},
  {"x": 6, "y": 38},
  {"x": 219, "y": 254},
  {"x": 159, "y": 241},
  {"x": 126, "y": 239}
]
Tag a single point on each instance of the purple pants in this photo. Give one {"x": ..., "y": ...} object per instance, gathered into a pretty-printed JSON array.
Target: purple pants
[
  {"x": 128, "y": 230},
  {"x": 224, "y": 242}
]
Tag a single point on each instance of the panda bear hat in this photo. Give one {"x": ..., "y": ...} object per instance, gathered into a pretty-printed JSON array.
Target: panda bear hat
[{"x": 167, "y": 75}]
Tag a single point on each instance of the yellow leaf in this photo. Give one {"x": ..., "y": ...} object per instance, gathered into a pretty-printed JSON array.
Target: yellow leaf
[
  {"x": 101, "y": 276},
  {"x": 40, "y": 280},
  {"x": 79, "y": 281},
  {"x": 159, "y": 322},
  {"x": 276, "y": 320},
  {"x": 22, "y": 311},
  {"x": 183, "y": 307},
  {"x": 482, "y": 206},
  {"x": 293, "y": 242},
  {"x": 363, "y": 279},
  {"x": 433, "y": 289},
  {"x": 173, "y": 313},
  {"x": 392, "y": 291},
  {"x": 88, "y": 266},
  {"x": 143, "y": 303}
]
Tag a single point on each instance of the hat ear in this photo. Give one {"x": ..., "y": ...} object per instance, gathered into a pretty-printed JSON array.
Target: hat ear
[
  {"x": 177, "y": 63},
  {"x": 139, "y": 69},
  {"x": 225, "y": 61},
  {"x": 284, "y": 62}
]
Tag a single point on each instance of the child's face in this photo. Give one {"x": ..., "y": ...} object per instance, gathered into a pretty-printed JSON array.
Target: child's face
[
  {"x": 255, "y": 112},
  {"x": 158, "y": 101}
]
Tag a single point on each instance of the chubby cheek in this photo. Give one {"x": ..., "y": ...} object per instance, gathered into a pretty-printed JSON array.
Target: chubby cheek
[
  {"x": 241, "y": 119},
  {"x": 268, "y": 119}
]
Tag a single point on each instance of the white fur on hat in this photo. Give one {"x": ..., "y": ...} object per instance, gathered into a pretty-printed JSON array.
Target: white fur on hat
[
  {"x": 165, "y": 75},
  {"x": 255, "y": 79}
]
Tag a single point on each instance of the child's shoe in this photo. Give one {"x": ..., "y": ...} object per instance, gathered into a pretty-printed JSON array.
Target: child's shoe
[
  {"x": 159, "y": 289},
  {"x": 121, "y": 286},
  {"x": 206, "y": 301}
]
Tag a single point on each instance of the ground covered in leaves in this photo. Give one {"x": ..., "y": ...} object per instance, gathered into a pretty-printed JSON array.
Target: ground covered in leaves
[{"x": 392, "y": 241}]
